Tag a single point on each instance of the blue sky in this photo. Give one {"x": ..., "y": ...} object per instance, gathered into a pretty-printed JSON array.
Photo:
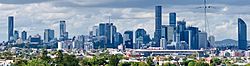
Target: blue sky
[{"x": 34, "y": 16}]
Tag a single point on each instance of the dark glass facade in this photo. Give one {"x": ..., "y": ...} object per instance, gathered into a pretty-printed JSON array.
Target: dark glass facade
[{"x": 242, "y": 35}]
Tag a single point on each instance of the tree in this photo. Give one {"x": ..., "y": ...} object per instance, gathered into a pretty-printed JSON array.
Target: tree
[
  {"x": 70, "y": 60},
  {"x": 186, "y": 62},
  {"x": 66, "y": 60},
  {"x": 149, "y": 61},
  {"x": 59, "y": 57},
  {"x": 168, "y": 64},
  {"x": 142, "y": 64},
  {"x": 199, "y": 63},
  {"x": 20, "y": 62},
  {"x": 125, "y": 64},
  {"x": 37, "y": 62},
  {"x": 248, "y": 64},
  {"x": 212, "y": 64},
  {"x": 113, "y": 60},
  {"x": 191, "y": 63},
  {"x": 216, "y": 60},
  {"x": 85, "y": 62},
  {"x": 134, "y": 64}
]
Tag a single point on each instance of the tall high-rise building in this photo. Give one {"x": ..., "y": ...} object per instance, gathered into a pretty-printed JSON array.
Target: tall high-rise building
[
  {"x": 102, "y": 29},
  {"x": 242, "y": 35},
  {"x": 128, "y": 39},
  {"x": 48, "y": 35},
  {"x": 211, "y": 40},
  {"x": 113, "y": 32},
  {"x": 95, "y": 30},
  {"x": 158, "y": 25},
  {"x": 24, "y": 35},
  {"x": 172, "y": 19},
  {"x": 164, "y": 31},
  {"x": 62, "y": 28},
  {"x": 203, "y": 40},
  {"x": 118, "y": 39},
  {"x": 140, "y": 35},
  {"x": 10, "y": 28},
  {"x": 140, "y": 32},
  {"x": 170, "y": 34},
  {"x": 108, "y": 30},
  {"x": 102, "y": 35},
  {"x": 63, "y": 33},
  {"x": 138, "y": 43},
  {"x": 193, "y": 38},
  {"x": 181, "y": 27},
  {"x": 16, "y": 35}
]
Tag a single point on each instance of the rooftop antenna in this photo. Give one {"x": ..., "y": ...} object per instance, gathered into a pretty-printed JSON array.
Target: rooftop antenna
[
  {"x": 109, "y": 19},
  {"x": 206, "y": 27}
]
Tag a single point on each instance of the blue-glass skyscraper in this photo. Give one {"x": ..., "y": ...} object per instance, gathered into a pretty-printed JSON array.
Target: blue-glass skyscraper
[
  {"x": 24, "y": 35},
  {"x": 242, "y": 35},
  {"x": 10, "y": 28},
  {"x": 62, "y": 28},
  {"x": 48, "y": 35},
  {"x": 193, "y": 38},
  {"x": 118, "y": 39},
  {"x": 140, "y": 32},
  {"x": 140, "y": 38},
  {"x": 63, "y": 33},
  {"x": 172, "y": 19},
  {"x": 101, "y": 29},
  {"x": 16, "y": 35},
  {"x": 107, "y": 31},
  {"x": 181, "y": 27},
  {"x": 158, "y": 25},
  {"x": 128, "y": 39}
]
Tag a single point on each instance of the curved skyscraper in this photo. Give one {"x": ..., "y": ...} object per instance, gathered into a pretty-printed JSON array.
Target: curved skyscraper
[
  {"x": 242, "y": 35},
  {"x": 10, "y": 27}
]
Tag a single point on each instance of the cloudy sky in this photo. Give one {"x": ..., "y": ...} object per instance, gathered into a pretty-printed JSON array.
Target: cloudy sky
[{"x": 34, "y": 16}]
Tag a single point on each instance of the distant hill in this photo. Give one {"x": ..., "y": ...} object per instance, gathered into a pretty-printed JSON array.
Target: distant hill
[{"x": 226, "y": 42}]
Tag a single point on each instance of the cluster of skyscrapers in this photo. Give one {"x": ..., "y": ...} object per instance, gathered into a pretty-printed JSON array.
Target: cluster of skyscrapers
[{"x": 175, "y": 35}]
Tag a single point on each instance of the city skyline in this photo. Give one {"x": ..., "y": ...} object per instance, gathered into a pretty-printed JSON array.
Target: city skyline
[{"x": 123, "y": 16}]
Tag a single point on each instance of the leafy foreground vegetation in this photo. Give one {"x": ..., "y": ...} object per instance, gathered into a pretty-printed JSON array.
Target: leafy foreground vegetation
[{"x": 103, "y": 59}]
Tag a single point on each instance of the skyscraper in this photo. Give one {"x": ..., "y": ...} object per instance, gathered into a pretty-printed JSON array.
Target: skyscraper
[
  {"x": 172, "y": 19},
  {"x": 107, "y": 31},
  {"x": 10, "y": 28},
  {"x": 128, "y": 39},
  {"x": 24, "y": 35},
  {"x": 203, "y": 40},
  {"x": 101, "y": 29},
  {"x": 193, "y": 38},
  {"x": 118, "y": 39},
  {"x": 242, "y": 35},
  {"x": 48, "y": 35},
  {"x": 170, "y": 34},
  {"x": 181, "y": 27},
  {"x": 158, "y": 23},
  {"x": 95, "y": 30},
  {"x": 63, "y": 33},
  {"x": 140, "y": 32},
  {"x": 16, "y": 35},
  {"x": 164, "y": 31},
  {"x": 211, "y": 40}
]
